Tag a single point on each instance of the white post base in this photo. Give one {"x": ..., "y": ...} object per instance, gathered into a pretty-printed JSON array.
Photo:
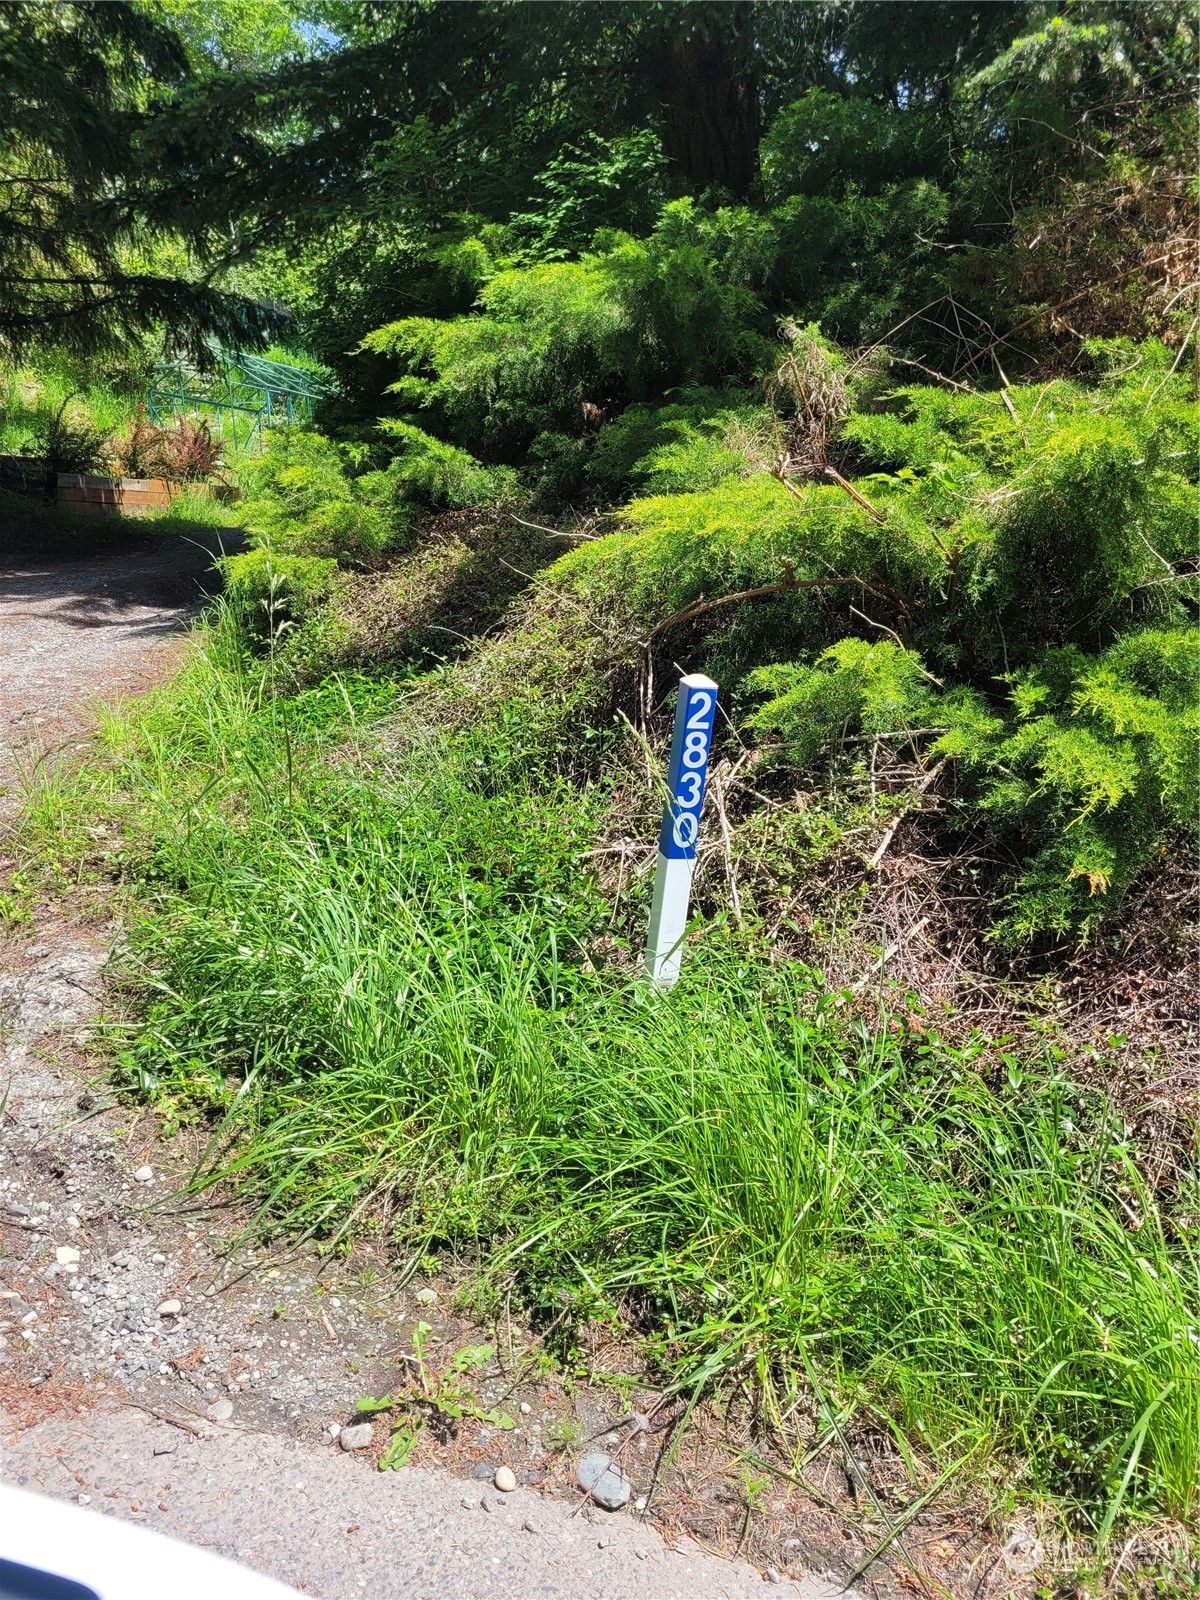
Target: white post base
[{"x": 668, "y": 920}]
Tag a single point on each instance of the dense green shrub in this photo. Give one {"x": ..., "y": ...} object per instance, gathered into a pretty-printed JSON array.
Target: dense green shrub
[
  {"x": 625, "y": 321},
  {"x": 689, "y": 441},
  {"x": 301, "y": 497},
  {"x": 599, "y": 184},
  {"x": 1018, "y": 584},
  {"x": 1087, "y": 777},
  {"x": 271, "y": 590},
  {"x": 1082, "y": 773},
  {"x": 309, "y": 495},
  {"x": 433, "y": 476},
  {"x": 1067, "y": 513},
  {"x": 678, "y": 447},
  {"x": 856, "y": 687}
]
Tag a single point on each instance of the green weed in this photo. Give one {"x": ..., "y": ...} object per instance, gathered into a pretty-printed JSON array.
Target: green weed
[
  {"x": 567, "y": 1434},
  {"x": 16, "y": 902},
  {"x": 441, "y": 1397}
]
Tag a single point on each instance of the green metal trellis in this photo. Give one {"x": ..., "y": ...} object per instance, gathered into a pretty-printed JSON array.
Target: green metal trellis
[{"x": 243, "y": 395}]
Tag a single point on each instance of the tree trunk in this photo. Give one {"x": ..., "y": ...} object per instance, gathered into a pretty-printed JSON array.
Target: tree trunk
[{"x": 711, "y": 127}]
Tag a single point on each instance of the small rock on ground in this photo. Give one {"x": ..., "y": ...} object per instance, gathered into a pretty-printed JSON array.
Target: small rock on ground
[
  {"x": 599, "y": 1476},
  {"x": 357, "y": 1437}
]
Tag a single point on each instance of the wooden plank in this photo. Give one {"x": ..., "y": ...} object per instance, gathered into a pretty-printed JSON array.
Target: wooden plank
[{"x": 133, "y": 496}]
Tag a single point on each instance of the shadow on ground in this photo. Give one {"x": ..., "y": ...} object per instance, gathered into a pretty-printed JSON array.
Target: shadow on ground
[{"x": 98, "y": 625}]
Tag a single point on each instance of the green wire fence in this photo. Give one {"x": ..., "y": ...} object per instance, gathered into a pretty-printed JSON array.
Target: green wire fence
[{"x": 243, "y": 394}]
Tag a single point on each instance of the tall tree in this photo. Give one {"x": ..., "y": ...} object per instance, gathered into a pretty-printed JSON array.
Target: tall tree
[
  {"x": 466, "y": 103},
  {"x": 80, "y": 86},
  {"x": 855, "y": 160}
]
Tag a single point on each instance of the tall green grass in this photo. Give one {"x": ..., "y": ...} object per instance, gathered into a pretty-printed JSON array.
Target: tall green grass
[
  {"x": 375, "y": 978},
  {"x": 30, "y": 396},
  {"x": 87, "y": 397}
]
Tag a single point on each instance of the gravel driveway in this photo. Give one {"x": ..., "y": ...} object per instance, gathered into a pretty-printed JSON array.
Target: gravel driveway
[{"x": 74, "y": 632}]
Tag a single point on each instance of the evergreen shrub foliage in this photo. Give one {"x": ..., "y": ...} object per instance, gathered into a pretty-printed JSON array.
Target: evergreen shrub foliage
[
  {"x": 1082, "y": 772},
  {"x": 679, "y": 446},
  {"x": 1017, "y": 598},
  {"x": 1012, "y": 591},
  {"x": 435, "y": 476},
  {"x": 309, "y": 495},
  {"x": 303, "y": 499},
  {"x": 601, "y": 183},
  {"x": 628, "y": 319}
]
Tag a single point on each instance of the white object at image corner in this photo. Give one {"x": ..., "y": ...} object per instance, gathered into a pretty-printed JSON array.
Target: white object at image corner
[{"x": 111, "y": 1560}]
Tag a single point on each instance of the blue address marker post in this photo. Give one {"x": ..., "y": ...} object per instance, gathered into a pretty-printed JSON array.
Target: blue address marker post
[{"x": 695, "y": 714}]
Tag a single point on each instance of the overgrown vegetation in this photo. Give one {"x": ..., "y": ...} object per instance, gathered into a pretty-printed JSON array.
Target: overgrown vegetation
[
  {"x": 35, "y": 404},
  {"x": 617, "y": 398},
  {"x": 310, "y": 496},
  {"x": 91, "y": 417},
  {"x": 1006, "y": 591},
  {"x": 380, "y": 980},
  {"x": 393, "y": 977}
]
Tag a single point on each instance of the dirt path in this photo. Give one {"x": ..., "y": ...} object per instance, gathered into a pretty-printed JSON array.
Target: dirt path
[
  {"x": 73, "y": 632},
  {"x": 145, "y": 1371}
]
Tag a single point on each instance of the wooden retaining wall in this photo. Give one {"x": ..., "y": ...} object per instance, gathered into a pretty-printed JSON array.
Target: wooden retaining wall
[
  {"x": 88, "y": 494},
  {"x": 131, "y": 497}
]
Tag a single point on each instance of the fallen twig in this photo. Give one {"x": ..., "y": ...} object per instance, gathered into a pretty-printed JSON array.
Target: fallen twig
[
  {"x": 861, "y": 499},
  {"x": 887, "y": 955},
  {"x": 553, "y": 532},
  {"x": 200, "y": 1429},
  {"x": 789, "y": 583}
]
